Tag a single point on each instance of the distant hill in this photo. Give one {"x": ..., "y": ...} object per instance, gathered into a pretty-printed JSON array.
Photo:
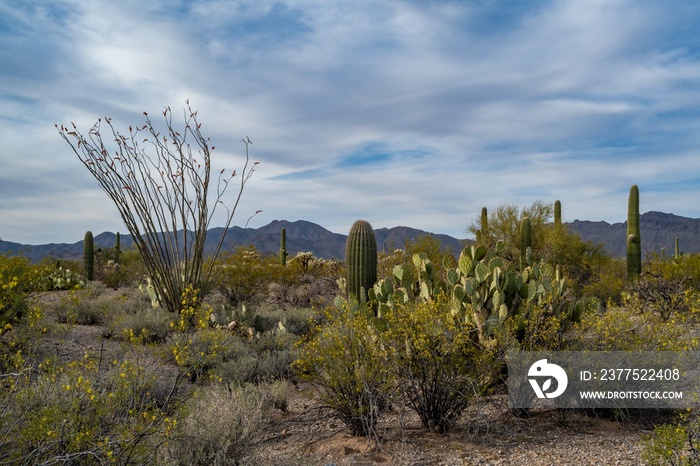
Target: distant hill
[
  {"x": 302, "y": 236},
  {"x": 658, "y": 230}
]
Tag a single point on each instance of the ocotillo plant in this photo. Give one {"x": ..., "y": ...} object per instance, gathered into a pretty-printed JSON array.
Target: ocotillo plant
[
  {"x": 283, "y": 247},
  {"x": 361, "y": 259},
  {"x": 634, "y": 245},
  {"x": 89, "y": 254},
  {"x": 525, "y": 240},
  {"x": 117, "y": 249}
]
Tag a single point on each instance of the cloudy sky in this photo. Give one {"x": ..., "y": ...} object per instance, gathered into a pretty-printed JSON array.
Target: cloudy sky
[{"x": 413, "y": 113}]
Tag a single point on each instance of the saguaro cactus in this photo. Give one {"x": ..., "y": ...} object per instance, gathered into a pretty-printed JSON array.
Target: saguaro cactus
[
  {"x": 634, "y": 245},
  {"x": 283, "y": 246},
  {"x": 484, "y": 227},
  {"x": 117, "y": 249},
  {"x": 89, "y": 254},
  {"x": 557, "y": 215},
  {"x": 677, "y": 255},
  {"x": 525, "y": 240},
  {"x": 361, "y": 259}
]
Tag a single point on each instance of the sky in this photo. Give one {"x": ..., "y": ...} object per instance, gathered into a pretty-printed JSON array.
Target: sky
[{"x": 401, "y": 113}]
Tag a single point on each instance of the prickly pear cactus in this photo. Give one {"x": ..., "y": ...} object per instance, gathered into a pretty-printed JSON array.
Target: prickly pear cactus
[
  {"x": 361, "y": 259},
  {"x": 484, "y": 289}
]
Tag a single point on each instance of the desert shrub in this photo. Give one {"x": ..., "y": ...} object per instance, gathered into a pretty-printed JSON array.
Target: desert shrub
[
  {"x": 245, "y": 275},
  {"x": 85, "y": 412},
  {"x": 256, "y": 358},
  {"x": 607, "y": 282},
  {"x": 439, "y": 366},
  {"x": 150, "y": 325},
  {"x": 627, "y": 328},
  {"x": 686, "y": 267},
  {"x": 16, "y": 280},
  {"x": 296, "y": 320},
  {"x": 199, "y": 353},
  {"x": 675, "y": 444},
  {"x": 307, "y": 281},
  {"x": 661, "y": 296},
  {"x": 221, "y": 426},
  {"x": 343, "y": 358},
  {"x": 86, "y": 306}
]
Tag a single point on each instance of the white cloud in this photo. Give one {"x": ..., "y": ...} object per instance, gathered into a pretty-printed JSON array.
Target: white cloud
[{"x": 507, "y": 102}]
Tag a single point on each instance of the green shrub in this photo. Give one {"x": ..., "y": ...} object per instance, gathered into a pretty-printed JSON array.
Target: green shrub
[
  {"x": 245, "y": 275},
  {"x": 674, "y": 444},
  {"x": 85, "y": 412},
  {"x": 607, "y": 281},
  {"x": 439, "y": 366},
  {"x": 343, "y": 359},
  {"x": 15, "y": 283}
]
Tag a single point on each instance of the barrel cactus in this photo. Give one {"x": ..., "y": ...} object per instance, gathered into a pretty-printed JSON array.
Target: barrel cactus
[
  {"x": 361, "y": 259},
  {"x": 89, "y": 255},
  {"x": 634, "y": 245}
]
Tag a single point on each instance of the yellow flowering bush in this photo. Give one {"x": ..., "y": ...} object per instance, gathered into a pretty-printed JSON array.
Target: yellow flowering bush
[
  {"x": 85, "y": 411},
  {"x": 437, "y": 361},
  {"x": 674, "y": 444},
  {"x": 194, "y": 315},
  {"x": 345, "y": 359},
  {"x": 15, "y": 275}
]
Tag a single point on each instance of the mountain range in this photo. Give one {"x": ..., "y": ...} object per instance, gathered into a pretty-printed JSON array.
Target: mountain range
[{"x": 658, "y": 230}]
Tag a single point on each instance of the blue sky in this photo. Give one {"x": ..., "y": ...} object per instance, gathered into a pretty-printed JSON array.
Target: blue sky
[{"x": 408, "y": 113}]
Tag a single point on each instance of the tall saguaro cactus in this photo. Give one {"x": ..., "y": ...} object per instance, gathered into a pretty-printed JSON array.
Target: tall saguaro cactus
[
  {"x": 557, "y": 231},
  {"x": 634, "y": 245},
  {"x": 117, "y": 249},
  {"x": 525, "y": 240},
  {"x": 283, "y": 246},
  {"x": 89, "y": 254},
  {"x": 361, "y": 259},
  {"x": 557, "y": 215},
  {"x": 484, "y": 227}
]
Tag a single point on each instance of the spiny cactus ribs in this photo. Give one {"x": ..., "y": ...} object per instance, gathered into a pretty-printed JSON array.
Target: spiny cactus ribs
[{"x": 361, "y": 259}]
